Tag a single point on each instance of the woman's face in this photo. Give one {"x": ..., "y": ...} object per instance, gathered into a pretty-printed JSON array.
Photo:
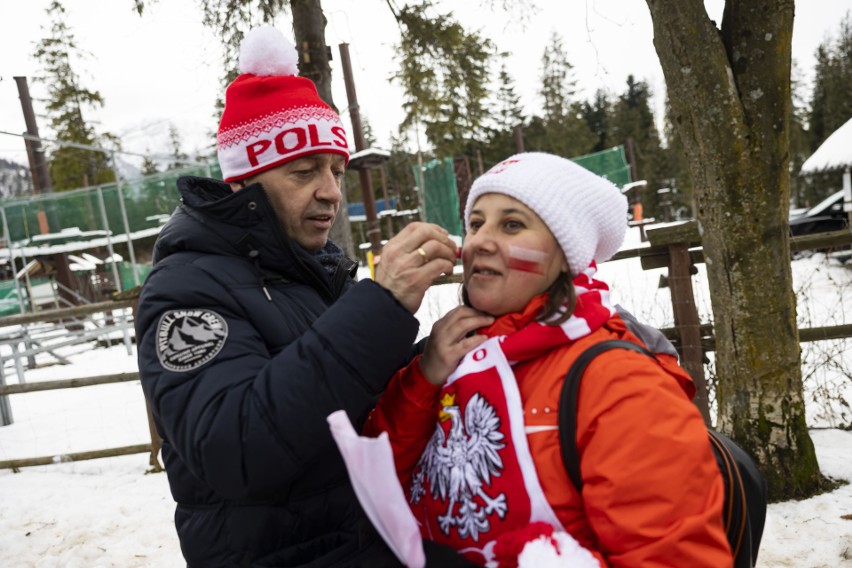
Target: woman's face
[{"x": 509, "y": 255}]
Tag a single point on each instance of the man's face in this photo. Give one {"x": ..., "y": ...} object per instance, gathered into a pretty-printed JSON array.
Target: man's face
[{"x": 305, "y": 195}]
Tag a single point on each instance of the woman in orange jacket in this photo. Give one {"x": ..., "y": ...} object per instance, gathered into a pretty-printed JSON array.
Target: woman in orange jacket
[{"x": 476, "y": 443}]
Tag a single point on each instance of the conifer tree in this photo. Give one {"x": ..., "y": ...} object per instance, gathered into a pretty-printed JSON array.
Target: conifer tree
[
  {"x": 632, "y": 123},
  {"x": 179, "y": 159},
  {"x": 506, "y": 117},
  {"x": 149, "y": 166},
  {"x": 830, "y": 108},
  {"x": 444, "y": 74},
  {"x": 831, "y": 101},
  {"x": 508, "y": 111},
  {"x": 70, "y": 167},
  {"x": 597, "y": 116},
  {"x": 560, "y": 129},
  {"x": 801, "y": 193}
]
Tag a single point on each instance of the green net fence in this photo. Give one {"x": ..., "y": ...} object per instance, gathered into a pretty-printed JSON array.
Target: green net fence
[
  {"x": 103, "y": 216},
  {"x": 10, "y": 301},
  {"x": 127, "y": 207},
  {"x": 441, "y": 203},
  {"x": 610, "y": 164}
]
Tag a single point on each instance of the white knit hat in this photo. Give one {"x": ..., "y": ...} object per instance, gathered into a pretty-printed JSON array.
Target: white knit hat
[{"x": 585, "y": 212}]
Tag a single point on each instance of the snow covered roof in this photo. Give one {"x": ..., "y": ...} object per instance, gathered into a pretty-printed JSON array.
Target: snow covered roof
[
  {"x": 28, "y": 249},
  {"x": 834, "y": 153}
]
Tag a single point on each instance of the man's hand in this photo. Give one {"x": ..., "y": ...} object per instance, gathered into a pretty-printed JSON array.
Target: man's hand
[
  {"x": 450, "y": 340},
  {"x": 412, "y": 259}
]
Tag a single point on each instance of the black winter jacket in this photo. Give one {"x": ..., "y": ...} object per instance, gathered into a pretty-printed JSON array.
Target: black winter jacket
[{"x": 246, "y": 344}]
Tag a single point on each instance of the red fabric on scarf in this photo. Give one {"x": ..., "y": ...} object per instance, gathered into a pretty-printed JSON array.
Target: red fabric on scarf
[{"x": 591, "y": 311}]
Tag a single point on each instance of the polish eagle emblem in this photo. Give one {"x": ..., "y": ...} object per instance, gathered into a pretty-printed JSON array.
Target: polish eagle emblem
[{"x": 459, "y": 466}]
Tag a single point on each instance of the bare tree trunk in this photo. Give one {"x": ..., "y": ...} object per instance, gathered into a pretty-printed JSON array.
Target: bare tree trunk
[
  {"x": 309, "y": 31},
  {"x": 730, "y": 93}
]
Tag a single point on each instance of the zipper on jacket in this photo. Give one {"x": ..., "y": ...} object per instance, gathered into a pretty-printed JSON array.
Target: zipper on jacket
[
  {"x": 346, "y": 269},
  {"x": 250, "y": 249}
]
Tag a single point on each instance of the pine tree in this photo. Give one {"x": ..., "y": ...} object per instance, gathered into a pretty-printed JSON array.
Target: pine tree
[
  {"x": 70, "y": 167},
  {"x": 676, "y": 166},
  {"x": 830, "y": 108},
  {"x": 149, "y": 166},
  {"x": 801, "y": 193},
  {"x": 508, "y": 111},
  {"x": 597, "y": 116},
  {"x": 560, "y": 129},
  {"x": 831, "y": 102},
  {"x": 506, "y": 117},
  {"x": 179, "y": 159},
  {"x": 444, "y": 72},
  {"x": 632, "y": 124}
]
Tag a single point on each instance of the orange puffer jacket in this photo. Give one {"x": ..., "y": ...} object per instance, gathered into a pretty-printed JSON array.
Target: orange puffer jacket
[{"x": 652, "y": 492}]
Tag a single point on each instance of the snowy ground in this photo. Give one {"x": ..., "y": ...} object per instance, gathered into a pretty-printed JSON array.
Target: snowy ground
[{"x": 110, "y": 513}]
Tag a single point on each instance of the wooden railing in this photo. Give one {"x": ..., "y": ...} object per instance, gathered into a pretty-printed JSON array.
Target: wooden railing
[{"x": 127, "y": 299}]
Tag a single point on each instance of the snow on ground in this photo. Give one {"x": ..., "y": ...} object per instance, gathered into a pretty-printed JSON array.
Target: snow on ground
[{"x": 111, "y": 513}]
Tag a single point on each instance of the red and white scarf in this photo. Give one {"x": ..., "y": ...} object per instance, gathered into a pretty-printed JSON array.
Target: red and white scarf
[
  {"x": 476, "y": 483},
  {"x": 591, "y": 311}
]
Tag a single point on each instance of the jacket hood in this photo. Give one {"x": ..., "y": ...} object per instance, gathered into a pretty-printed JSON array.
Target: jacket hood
[{"x": 214, "y": 219}]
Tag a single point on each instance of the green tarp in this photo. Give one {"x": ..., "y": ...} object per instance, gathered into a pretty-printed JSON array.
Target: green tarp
[
  {"x": 610, "y": 164},
  {"x": 441, "y": 205}
]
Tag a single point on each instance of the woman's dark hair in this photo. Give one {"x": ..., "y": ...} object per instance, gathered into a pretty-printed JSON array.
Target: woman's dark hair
[{"x": 559, "y": 294}]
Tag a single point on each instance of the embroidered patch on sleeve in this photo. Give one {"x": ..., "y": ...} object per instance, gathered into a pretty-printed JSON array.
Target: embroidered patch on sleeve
[{"x": 187, "y": 339}]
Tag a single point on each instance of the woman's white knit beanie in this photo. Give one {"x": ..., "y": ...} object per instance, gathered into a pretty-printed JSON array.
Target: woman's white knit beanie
[{"x": 585, "y": 212}]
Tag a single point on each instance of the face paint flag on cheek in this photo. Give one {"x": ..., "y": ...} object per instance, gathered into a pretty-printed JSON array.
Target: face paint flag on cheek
[{"x": 526, "y": 260}]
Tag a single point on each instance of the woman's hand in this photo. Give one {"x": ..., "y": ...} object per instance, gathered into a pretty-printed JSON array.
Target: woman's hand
[{"x": 450, "y": 340}]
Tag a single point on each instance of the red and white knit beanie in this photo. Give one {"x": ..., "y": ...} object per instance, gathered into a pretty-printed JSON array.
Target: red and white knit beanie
[
  {"x": 585, "y": 212},
  {"x": 272, "y": 116}
]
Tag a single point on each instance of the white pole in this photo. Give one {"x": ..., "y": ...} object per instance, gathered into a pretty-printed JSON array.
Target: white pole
[
  {"x": 130, "y": 250},
  {"x": 421, "y": 183},
  {"x": 115, "y": 273},
  {"x": 8, "y": 238}
]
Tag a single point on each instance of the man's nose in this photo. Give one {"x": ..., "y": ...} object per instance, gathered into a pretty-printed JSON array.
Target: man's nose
[{"x": 329, "y": 187}]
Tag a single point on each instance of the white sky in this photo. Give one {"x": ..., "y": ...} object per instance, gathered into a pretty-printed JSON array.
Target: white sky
[
  {"x": 164, "y": 67},
  {"x": 107, "y": 512}
]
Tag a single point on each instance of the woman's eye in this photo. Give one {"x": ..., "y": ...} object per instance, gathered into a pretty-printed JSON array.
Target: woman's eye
[
  {"x": 475, "y": 225},
  {"x": 513, "y": 225}
]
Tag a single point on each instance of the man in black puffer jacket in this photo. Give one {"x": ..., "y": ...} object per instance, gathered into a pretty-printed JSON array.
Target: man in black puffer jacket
[{"x": 252, "y": 330}]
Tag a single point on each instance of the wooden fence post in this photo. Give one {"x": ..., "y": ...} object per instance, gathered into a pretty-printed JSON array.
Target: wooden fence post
[
  {"x": 156, "y": 441},
  {"x": 678, "y": 240}
]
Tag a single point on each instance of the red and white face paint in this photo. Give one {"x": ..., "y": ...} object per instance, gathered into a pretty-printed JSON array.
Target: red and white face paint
[{"x": 527, "y": 259}]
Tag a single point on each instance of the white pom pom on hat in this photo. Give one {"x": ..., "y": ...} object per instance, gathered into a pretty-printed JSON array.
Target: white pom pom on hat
[
  {"x": 272, "y": 116},
  {"x": 265, "y": 51},
  {"x": 586, "y": 213}
]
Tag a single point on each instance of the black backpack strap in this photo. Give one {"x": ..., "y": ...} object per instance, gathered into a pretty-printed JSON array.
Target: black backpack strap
[{"x": 568, "y": 403}]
